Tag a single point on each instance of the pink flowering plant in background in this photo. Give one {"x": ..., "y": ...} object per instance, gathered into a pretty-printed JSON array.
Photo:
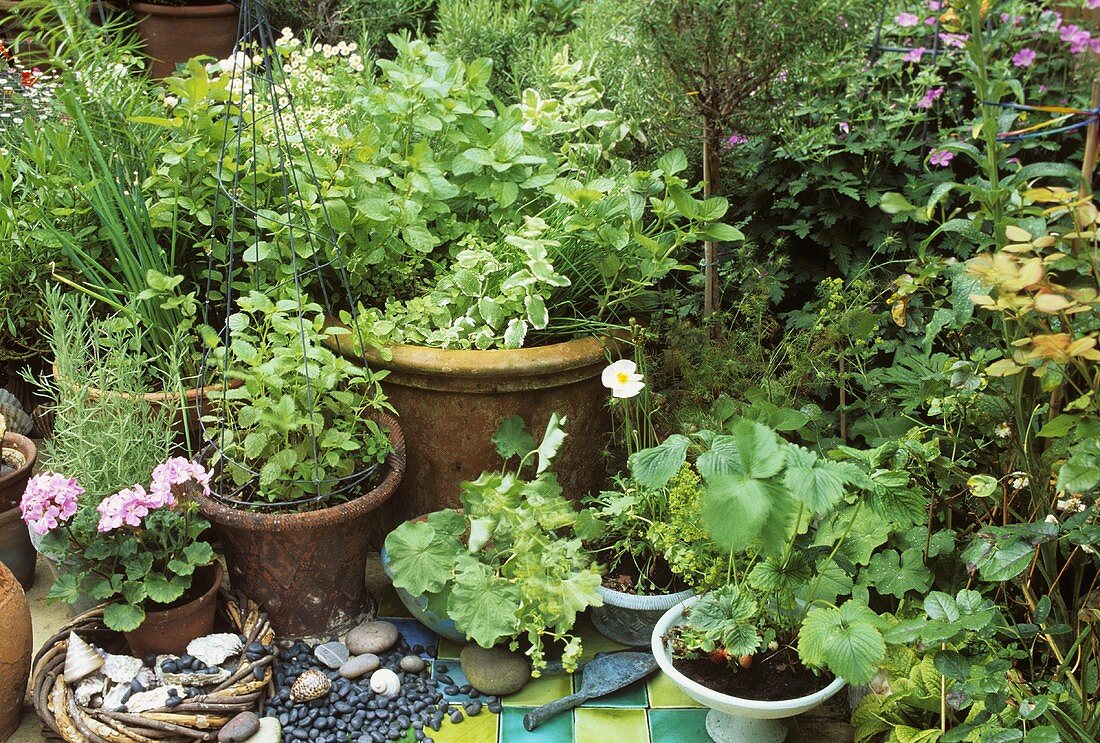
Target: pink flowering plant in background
[{"x": 138, "y": 548}]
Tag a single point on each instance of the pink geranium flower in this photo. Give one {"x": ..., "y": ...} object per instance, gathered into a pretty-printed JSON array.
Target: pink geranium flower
[
  {"x": 906, "y": 20},
  {"x": 49, "y": 500},
  {"x": 955, "y": 40},
  {"x": 128, "y": 506},
  {"x": 930, "y": 97},
  {"x": 172, "y": 474},
  {"x": 941, "y": 158},
  {"x": 914, "y": 55},
  {"x": 1024, "y": 58}
]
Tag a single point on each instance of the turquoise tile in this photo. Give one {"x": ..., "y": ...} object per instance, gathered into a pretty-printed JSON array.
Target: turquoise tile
[
  {"x": 415, "y": 633},
  {"x": 631, "y": 696},
  {"x": 455, "y": 672},
  {"x": 678, "y": 725},
  {"x": 557, "y": 729}
]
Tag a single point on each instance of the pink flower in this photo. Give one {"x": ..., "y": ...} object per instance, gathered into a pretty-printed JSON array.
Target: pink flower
[
  {"x": 934, "y": 4},
  {"x": 914, "y": 55},
  {"x": 173, "y": 473},
  {"x": 941, "y": 158},
  {"x": 845, "y": 129},
  {"x": 735, "y": 139},
  {"x": 128, "y": 506},
  {"x": 49, "y": 499},
  {"x": 931, "y": 21},
  {"x": 1077, "y": 38},
  {"x": 1092, "y": 4},
  {"x": 1025, "y": 57},
  {"x": 905, "y": 20},
  {"x": 955, "y": 40},
  {"x": 930, "y": 97}
]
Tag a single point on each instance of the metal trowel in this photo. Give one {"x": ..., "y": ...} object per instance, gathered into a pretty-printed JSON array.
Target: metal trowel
[{"x": 601, "y": 676}]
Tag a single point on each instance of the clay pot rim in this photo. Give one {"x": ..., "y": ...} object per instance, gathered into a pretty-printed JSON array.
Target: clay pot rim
[
  {"x": 190, "y": 394},
  {"x": 184, "y": 11},
  {"x": 578, "y": 353},
  {"x": 24, "y": 446},
  {"x": 236, "y": 518},
  {"x": 212, "y": 591}
]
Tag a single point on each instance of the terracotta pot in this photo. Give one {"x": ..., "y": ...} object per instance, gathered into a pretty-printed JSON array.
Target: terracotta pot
[
  {"x": 451, "y": 403},
  {"x": 13, "y": 483},
  {"x": 15, "y": 652},
  {"x": 168, "y": 631},
  {"x": 16, "y": 550},
  {"x": 174, "y": 34},
  {"x": 307, "y": 569}
]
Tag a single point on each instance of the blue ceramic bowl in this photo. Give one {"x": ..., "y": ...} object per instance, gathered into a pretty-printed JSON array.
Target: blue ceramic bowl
[{"x": 418, "y": 607}]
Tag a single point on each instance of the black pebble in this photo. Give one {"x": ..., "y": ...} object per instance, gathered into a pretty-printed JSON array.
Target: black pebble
[
  {"x": 451, "y": 690},
  {"x": 465, "y": 688},
  {"x": 442, "y": 667},
  {"x": 494, "y": 707},
  {"x": 170, "y": 666},
  {"x": 258, "y": 673},
  {"x": 173, "y": 702},
  {"x": 473, "y": 708},
  {"x": 456, "y": 716},
  {"x": 135, "y": 686},
  {"x": 445, "y": 679}
]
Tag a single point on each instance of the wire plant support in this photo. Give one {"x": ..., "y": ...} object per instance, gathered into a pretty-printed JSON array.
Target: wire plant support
[{"x": 263, "y": 235}]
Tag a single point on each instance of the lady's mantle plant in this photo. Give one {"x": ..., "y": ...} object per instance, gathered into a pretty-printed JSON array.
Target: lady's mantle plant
[
  {"x": 762, "y": 501},
  {"x": 140, "y": 547},
  {"x": 510, "y": 565}
]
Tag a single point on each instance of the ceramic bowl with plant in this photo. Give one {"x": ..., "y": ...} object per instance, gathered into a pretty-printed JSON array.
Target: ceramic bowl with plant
[
  {"x": 509, "y": 568},
  {"x": 776, "y": 638}
]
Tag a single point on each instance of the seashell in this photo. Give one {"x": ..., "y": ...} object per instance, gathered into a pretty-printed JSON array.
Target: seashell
[
  {"x": 81, "y": 659},
  {"x": 213, "y": 650},
  {"x": 156, "y": 698},
  {"x": 17, "y": 419},
  {"x": 115, "y": 699},
  {"x": 312, "y": 684},
  {"x": 385, "y": 682},
  {"x": 88, "y": 688},
  {"x": 121, "y": 669}
]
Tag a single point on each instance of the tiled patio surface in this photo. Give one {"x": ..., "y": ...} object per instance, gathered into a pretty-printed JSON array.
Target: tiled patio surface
[{"x": 650, "y": 711}]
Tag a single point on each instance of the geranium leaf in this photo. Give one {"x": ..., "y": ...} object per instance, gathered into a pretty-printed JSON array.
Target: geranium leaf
[
  {"x": 484, "y": 606},
  {"x": 420, "y": 558},
  {"x": 512, "y": 439},
  {"x": 123, "y": 617}
]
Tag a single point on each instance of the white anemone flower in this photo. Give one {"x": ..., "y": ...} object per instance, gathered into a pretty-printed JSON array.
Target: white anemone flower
[{"x": 622, "y": 379}]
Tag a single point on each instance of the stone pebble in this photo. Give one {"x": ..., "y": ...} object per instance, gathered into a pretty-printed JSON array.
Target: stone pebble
[
  {"x": 360, "y": 665},
  {"x": 332, "y": 654},
  {"x": 240, "y": 728},
  {"x": 372, "y": 637}
]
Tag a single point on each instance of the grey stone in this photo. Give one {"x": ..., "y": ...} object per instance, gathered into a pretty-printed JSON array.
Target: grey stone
[
  {"x": 359, "y": 665},
  {"x": 412, "y": 664},
  {"x": 372, "y": 637},
  {"x": 332, "y": 654},
  {"x": 240, "y": 728},
  {"x": 270, "y": 732},
  {"x": 496, "y": 671}
]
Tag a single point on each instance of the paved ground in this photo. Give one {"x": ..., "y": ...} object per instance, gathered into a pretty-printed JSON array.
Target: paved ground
[{"x": 648, "y": 712}]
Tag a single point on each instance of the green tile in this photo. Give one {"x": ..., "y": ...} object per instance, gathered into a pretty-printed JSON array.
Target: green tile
[
  {"x": 482, "y": 728},
  {"x": 663, "y": 692},
  {"x": 541, "y": 690},
  {"x": 678, "y": 726},
  {"x": 603, "y": 725},
  {"x": 558, "y": 729},
  {"x": 632, "y": 696},
  {"x": 593, "y": 642}
]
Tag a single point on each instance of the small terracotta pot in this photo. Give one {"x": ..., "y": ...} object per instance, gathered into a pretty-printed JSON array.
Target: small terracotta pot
[
  {"x": 452, "y": 401},
  {"x": 17, "y": 553},
  {"x": 174, "y": 34},
  {"x": 15, "y": 652},
  {"x": 14, "y": 483},
  {"x": 307, "y": 570},
  {"x": 168, "y": 631}
]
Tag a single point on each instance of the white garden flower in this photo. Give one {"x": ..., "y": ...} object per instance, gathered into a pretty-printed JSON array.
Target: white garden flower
[{"x": 622, "y": 379}]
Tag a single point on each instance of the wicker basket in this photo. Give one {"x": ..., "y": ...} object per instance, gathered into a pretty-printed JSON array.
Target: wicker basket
[{"x": 197, "y": 718}]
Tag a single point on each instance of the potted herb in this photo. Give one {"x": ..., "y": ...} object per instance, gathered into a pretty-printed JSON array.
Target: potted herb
[
  {"x": 776, "y": 639},
  {"x": 304, "y": 449},
  {"x": 174, "y": 31},
  {"x": 509, "y": 568},
  {"x": 17, "y": 457},
  {"x": 140, "y": 549}
]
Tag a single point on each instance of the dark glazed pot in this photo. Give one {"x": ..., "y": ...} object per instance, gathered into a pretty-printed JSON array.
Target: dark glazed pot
[
  {"x": 451, "y": 403},
  {"x": 15, "y": 652},
  {"x": 629, "y": 618},
  {"x": 168, "y": 631},
  {"x": 307, "y": 570},
  {"x": 174, "y": 34},
  {"x": 16, "y": 550}
]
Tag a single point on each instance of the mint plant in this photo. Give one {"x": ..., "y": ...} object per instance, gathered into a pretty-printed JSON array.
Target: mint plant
[
  {"x": 292, "y": 410},
  {"x": 509, "y": 567}
]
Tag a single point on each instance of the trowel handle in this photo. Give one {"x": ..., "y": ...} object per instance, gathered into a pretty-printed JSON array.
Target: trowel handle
[{"x": 539, "y": 715}]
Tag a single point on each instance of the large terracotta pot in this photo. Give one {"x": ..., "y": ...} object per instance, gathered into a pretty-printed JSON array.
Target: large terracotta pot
[
  {"x": 169, "y": 630},
  {"x": 174, "y": 34},
  {"x": 16, "y": 550},
  {"x": 307, "y": 569},
  {"x": 15, "y": 652},
  {"x": 451, "y": 403}
]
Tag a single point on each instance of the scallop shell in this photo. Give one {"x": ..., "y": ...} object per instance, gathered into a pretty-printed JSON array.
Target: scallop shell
[
  {"x": 88, "y": 688},
  {"x": 213, "y": 650},
  {"x": 115, "y": 699},
  {"x": 121, "y": 669},
  {"x": 81, "y": 659},
  {"x": 312, "y": 684},
  {"x": 385, "y": 682},
  {"x": 17, "y": 419}
]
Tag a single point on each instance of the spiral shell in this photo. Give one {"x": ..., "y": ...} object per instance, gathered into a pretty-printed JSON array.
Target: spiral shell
[
  {"x": 312, "y": 684},
  {"x": 81, "y": 659},
  {"x": 88, "y": 688},
  {"x": 385, "y": 682}
]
